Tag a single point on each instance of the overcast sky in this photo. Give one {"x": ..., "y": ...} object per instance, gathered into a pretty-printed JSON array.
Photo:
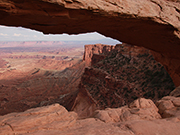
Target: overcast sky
[{"x": 23, "y": 34}]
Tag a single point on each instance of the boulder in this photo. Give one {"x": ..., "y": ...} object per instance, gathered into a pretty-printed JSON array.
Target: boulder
[
  {"x": 56, "y": 120},
  {"x": 169, "y": 106},
  {"x": 140, "y": 109}
]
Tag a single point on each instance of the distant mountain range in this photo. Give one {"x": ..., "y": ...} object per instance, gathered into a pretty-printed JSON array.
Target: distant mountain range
[{"x": 4, "y": 44}]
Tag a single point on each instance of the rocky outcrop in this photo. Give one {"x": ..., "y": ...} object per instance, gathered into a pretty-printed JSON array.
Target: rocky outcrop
[
  {"x": 141, "y": 108},
  {"x": 127, "y": 73},
  {"x": 50, "y": 117},
  {"x": 169, "y": 106},
  {"x": 154, "y": 24},
  {"x": 91, "y": 50},
  {"x": 139, "y": 117}
]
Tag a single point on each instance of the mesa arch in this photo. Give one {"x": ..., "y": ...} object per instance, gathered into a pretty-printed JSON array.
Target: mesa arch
[{"x": 154, "y": 24}]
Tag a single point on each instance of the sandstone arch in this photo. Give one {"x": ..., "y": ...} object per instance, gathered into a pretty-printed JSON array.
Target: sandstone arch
[{"x": 154, "y": 24}]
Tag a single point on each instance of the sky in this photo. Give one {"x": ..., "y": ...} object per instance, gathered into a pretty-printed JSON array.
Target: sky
[{"x": 23, "y": 34}]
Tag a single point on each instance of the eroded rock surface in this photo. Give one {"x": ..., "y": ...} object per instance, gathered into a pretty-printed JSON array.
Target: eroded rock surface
[
  {"x": 43, "y": 118},
  {"x": 139, "y": 109},
  {"x": 169, "y": 106},
  {"x": 56, "y": 120}
]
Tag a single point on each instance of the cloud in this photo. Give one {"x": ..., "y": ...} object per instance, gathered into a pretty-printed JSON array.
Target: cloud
[
  {"x": 1, "y": 34},
  {"x": 16, "y": 35}
]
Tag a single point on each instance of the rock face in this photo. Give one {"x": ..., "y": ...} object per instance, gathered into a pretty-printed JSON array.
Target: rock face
[
  {"x": 91, "y": 50},
  {"x": 56, "y": 120},
  {"x": 172, "y": 66},
  {"x": 127, "y": 73},
  {"x": 154, "y": 24}
]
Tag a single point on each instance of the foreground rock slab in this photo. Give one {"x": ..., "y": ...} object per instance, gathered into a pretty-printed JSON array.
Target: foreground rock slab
[
  {"x": 50, "y": 117},
  {"x": 142, "y": 118},
  {"x": 141, "y": 109}
]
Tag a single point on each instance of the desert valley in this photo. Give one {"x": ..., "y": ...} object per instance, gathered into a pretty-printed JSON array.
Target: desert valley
[{"x": 34, "y": 75}]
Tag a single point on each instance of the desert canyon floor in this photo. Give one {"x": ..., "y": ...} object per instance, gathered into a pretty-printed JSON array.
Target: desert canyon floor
[{"x": 36, "y": 76}]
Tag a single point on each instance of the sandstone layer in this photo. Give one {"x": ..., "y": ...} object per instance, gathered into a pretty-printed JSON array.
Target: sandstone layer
[
  {"x": 154, "y": 24},
  {"x": 139, "y": 117}
]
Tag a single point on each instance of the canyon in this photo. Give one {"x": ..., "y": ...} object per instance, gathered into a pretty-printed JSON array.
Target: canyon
[
  {"x": 32, "y": 75},
  {"x": 109, "y": 97},
  {"x": 101, "y": 91}
]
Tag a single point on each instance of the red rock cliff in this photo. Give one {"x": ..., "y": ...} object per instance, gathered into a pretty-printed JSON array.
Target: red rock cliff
[
  {"x": 90, "y": 50},
  {"x": 126, "y": 73}
]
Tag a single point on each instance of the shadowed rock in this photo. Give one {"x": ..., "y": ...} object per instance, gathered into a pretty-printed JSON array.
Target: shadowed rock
[
  {"x": 125, "y": 74},
  {"x": 176, "y": 92}
]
